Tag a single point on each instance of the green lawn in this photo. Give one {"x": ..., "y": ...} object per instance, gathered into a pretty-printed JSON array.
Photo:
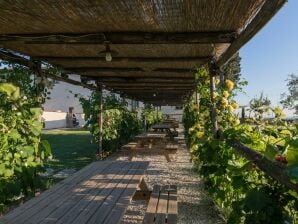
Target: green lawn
[{"x": 71, "y": 148}]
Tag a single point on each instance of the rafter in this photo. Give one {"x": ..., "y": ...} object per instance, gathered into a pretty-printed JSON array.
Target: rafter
[{"x": 124, "y": 38}]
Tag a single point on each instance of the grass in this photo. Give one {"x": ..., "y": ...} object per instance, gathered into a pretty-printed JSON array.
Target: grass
[{"x": 71, "y": 148}]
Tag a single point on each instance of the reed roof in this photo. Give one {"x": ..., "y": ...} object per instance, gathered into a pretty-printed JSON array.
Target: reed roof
[{"x": 156, "y": 45}]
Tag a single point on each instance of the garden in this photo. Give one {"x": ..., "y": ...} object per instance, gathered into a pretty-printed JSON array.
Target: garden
[
  {"x": 26, "y": 151},
  {"x": 250, "y": 166}
]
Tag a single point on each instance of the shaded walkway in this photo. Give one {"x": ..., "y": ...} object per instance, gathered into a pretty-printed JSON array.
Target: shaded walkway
[{"x": 194, "y": 205}]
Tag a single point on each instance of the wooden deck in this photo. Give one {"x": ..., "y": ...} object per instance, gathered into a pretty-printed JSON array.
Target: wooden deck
[{"x": 99, "y": 193}]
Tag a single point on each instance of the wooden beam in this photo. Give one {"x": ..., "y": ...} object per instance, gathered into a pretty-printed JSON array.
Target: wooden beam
[
  {"x": 8, "y": 56},
  {"x": 132, "y": 72},
  {"x": 267, "y": 11},
  {"x": 100, "y": 122},
  {"x": 153, "y": 85},
  {"x": 127, "y": 59},
  {"x": 273, "y": 169},
  {"x": 107, "y": 69},
  {"x": 147, "y": 80},
  {"x": 123, "y": 38}
]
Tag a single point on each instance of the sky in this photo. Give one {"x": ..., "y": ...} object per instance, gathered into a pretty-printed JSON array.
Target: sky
[{"x": 271, "y": 55}]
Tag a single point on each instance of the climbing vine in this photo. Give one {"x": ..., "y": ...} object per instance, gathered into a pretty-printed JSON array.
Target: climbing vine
[
  {"x": 151, "y": 116},
  {"x": 119, "y": 124},
  {"x": 244, "y": 192},
  {"x": 21, "y": 151}
]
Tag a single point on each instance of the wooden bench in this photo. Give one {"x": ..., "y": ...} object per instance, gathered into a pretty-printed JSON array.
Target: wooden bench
[
  {"x": 162, "y": 207},
  {"x": 98, "y": 193}
]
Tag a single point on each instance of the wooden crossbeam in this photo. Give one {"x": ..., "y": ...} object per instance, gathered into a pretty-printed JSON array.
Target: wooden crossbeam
[
  {"x": 112, "y": 80},
  {"x": 126, "y": 59},
  {"x": 268, "y": 10},
  {"x": 124, "y": 38},
  {"x": 145, "y": 84},
  {"x": 107, "y": 69}
]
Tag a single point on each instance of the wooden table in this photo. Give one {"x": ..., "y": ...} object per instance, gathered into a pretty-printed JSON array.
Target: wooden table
[
  {"x": 161, "y": 127},
  {"x": 99, "y": 193},
  {"x": 151, "y": 139}
]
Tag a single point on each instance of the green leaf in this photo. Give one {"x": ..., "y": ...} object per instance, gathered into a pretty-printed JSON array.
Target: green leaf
[
  {"x": 271, "y": 151},
  {"x": 47, "y": 147},
  {"x": 293, "y": 172},
  {"x": 10, "y": 90},
  {"x": 35, "y": 112},
  {"x": 256, "y": 200},
  {"x": 292, "y": 156}
]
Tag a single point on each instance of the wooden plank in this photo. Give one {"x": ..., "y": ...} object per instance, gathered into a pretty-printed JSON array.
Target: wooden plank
[
  {"x": 161, "y": 212},
  {"x": 125, "y": 59},
  {"x": 121, "y": 205},
  {"x": 172, "y": 212},
  {"x": 72, "y": 180},
  {"x": 109, "y": 176},
  {"x": 69, "y": 208},
  {"x": 44, "y": 207},
  {"x": 124, "y": 38},
  {"x": 110, "y": 203},
  {"x": 152, "y": 206},
  {"x": 98, "y": 199}
]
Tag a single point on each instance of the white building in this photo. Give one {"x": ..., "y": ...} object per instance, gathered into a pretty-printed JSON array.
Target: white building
[{"x": 62, "y": 97}]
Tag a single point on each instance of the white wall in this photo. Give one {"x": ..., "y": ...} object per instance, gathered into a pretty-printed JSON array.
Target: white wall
[
  {"x": 172, "y": 112},
  {"x": 58, "y": 119}
]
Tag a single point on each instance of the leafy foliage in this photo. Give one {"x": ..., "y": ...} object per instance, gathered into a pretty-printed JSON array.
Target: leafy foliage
[
  {"x": 246, "y": 194},
  {"x": 151, "y": 115},
  {"x": 290, "y": 100},
  {"x": 21, "y": 151},
  {"x": 119, "y": 124}
]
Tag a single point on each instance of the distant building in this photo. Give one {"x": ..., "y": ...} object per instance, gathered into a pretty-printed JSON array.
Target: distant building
[{"x": 62, "y": 97}]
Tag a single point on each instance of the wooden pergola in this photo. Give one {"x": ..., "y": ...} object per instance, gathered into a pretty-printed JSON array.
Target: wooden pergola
[{"x": 155, "y": 45}]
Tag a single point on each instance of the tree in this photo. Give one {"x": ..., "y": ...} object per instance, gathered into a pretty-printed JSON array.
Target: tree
[
  {"x": 232, "y": 70},
  {"x": 290, "y": 100},
  {"x": 259, "y": 105}
]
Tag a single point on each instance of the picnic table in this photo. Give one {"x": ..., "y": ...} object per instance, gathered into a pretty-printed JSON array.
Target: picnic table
[
  {"x": 166, "y": 128},
  {"x": 98, "y": 193},
  {"x": 151, "y": 140},
  {"x": 161, "y": 127}
]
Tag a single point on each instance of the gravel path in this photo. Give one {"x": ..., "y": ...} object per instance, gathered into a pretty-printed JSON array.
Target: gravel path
[{"x": 194, "y": 205}]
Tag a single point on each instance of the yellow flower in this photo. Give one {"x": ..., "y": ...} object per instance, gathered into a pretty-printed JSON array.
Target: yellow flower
[
  {"x": 235, "y": 105},
  {"x": 217, "y": 81},
  {"x": 200, "y": 134},
  {"x": 237, "y": 122},
  {"x": 191, "y": 129},
  {"x": 194, "y": 148},
  {"x": 214, "y": 95},
  {"x": 225, "y": 94},
  {"x": 230, "y": 108},
  {"x": 224, "y": 102},
  {"x": 229, "y": 84}
]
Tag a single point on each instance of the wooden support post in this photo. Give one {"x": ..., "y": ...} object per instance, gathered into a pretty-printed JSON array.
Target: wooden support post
[
  {"x": 196, "y": 96},
  {"x": 221, "y": 79},
  {"x": 100, "y": 122},
  {"x": 145, "y": 124},
  {"x": 212, "y": 73}
]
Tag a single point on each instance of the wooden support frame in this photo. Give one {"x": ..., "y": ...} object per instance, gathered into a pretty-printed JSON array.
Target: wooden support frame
[
  {"x": 273, "y": 169},
  {"x": 212, "y": 74},
  {"x": 100, "y": 120},
  {"x": 64, "y": 59},
  {"x": 8, "y": 56},
  {"x": 124, "y": 38}
]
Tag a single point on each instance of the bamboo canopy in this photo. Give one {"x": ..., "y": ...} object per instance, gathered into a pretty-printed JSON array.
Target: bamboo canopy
[{"x": 155, "y": 45}]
